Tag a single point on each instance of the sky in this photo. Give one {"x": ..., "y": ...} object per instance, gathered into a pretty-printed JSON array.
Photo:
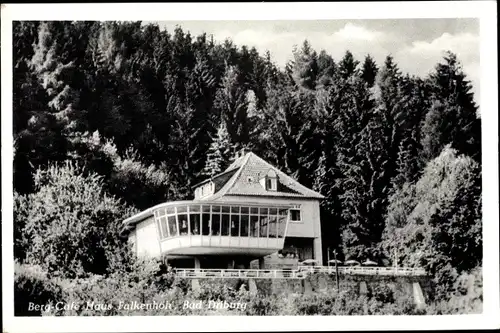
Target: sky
[{"x": 417, "y": 45}]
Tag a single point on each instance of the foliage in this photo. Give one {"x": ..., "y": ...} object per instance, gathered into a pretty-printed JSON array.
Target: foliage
[
  {"x": 219, "y": 153},
  {"x": 437, "y": 221},
  {"x": 114, "y": 117},
  {"x": 33, "y": 287},
  {"x": 465, "y": 297},
  {"x": 72, "y": 224}
]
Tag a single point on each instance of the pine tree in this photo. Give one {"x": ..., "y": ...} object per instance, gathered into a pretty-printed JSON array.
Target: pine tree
[
  {"x": 348, "y": 66},
  {"x": 326, "y": 69},
  {"x": 454, "y": 116},
  {"x": 219, "y": 152},
  {"x": 369, "y": 71},
  {"x": 305, "y": 68},
  {"x": 231, "y": 104}
]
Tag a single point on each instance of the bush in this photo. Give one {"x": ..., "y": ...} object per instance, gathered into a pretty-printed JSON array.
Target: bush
[
  {"x": 465, "y": 296},
  {"x": 34, "y": 293},
  {"x": 383, "y": 293},
  {"x": 73, "y": 224},
  {"x": 147, "y": 282}
]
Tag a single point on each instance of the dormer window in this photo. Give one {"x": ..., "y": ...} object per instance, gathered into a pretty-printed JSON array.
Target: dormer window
[{"x": 270, "y": 181}]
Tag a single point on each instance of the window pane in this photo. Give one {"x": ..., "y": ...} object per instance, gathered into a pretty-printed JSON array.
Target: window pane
[
  {"x": 194, "y": 209},
  {"x": 181, "y": 209},
  {"x": 194, "y": 220},
  {"x": 235, "y": 225},
  {"x": 172, "y": 226},
  {"x": 225, "y": 209},
  {"x": 283, "y": 212},
  {"x": 183, "y": 224},
  {"x": 244, "y": 210},
  {"x": 273, "y": 211},
  {"x": 263, "y": 211},
  {"x": 163, "y": 228},
  {"x": 235, "y": 209},
  {"x": 206, "y": 224},
  {"x": 170, "y": 210},
  {"x": 281, "y": 226},
  {"x": 263, "y": 226},
  {"x": 294, "y": 215},
  {"x": 215, "y": 224},
  {"x": 254, "y": 210},
  {"x": 244, "y": 225},
  {"x": 272, "y": 226},
  {"x": 225, "y": 225},
  {"x": 215, "y": 208},
  {"x": 254, "y": 226},
  {"x": 206, "y": 209}
]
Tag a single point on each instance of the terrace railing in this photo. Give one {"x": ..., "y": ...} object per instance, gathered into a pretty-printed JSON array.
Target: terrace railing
[
  {"x": 240, "y": 273},
  {"x": 361, "y": 270},
  {"x": 299, "y": 273}
]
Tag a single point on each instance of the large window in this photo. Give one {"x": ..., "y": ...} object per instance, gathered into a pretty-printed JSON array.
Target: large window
[
  {"x": 172, "y": 226},
  {"x": 163, "y": 227},
  {"x": 235, "y": 221},
  {"x": 254, "y": 226},
  {"x": 183, "y": 224},
  {"x": 194, "y": 220},
  {"x": 282, "y": 222},
  {"x": 245, "y": 223},
  {"x": 231, "y": 221},
  {"x": 215, "y": 224},
  {"x": 263, "y": 222},
  {"x": 273, "y": 219},
  {"x": 205, "y": 230},
  {"x": 225, "y": 225}
]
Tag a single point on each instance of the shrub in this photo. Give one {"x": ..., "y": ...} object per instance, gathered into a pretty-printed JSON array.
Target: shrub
[
  {"x": 383, "y": 293},
  {"x": 33, "y": 288},
  {"x": 465, "y": 296},
  {"x": 73, "y": 224}
]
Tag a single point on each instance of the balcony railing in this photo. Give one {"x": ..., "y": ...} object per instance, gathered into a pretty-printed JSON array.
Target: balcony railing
[
  {"x": 240, "y": 273},
  {"x": 300, "y": 273},
  {"x": 360, "y": 270}
]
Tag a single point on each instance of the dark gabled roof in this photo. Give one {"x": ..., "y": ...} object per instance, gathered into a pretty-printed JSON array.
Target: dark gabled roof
[{"x": 245, "y": 181}]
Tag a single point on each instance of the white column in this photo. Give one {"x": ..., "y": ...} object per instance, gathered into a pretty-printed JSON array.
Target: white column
[{"x": 318, "y": 253}]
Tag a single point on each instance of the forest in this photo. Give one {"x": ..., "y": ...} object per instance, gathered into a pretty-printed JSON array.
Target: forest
[{"x": 110, "y": 118}]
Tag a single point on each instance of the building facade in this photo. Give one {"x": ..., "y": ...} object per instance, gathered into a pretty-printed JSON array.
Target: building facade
[{"x": 247, "y": 213}]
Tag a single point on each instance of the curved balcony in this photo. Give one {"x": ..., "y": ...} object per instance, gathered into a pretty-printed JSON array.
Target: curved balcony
[{"x": 216, "y": 228}]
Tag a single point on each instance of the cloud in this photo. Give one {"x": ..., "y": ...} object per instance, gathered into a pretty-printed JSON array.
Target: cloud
[
  {"x": 353, "y": 32},
  {"x": 420, "y": 57},
  {"x": 417, "y": 57},
  {"x": 357, "y": 39}
]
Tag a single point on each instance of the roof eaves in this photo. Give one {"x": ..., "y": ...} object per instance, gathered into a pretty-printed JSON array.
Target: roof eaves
[{"x": 281, "y": 195}]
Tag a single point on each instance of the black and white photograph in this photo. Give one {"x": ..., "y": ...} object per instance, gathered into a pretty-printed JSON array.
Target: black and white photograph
[{"x": 327, "y": 168}]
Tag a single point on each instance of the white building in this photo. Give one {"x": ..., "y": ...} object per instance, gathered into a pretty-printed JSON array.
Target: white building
[{"x": 250, "y": 210}]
